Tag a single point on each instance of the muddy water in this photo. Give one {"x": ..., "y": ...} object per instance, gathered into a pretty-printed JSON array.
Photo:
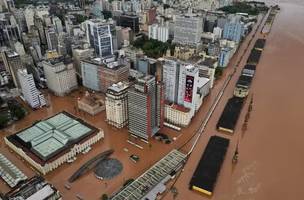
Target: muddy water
[{"x": 271, "y": 164}]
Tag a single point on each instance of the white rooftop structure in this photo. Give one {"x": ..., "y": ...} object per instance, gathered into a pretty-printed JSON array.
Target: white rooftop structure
[{"x": 10, "y": 173}]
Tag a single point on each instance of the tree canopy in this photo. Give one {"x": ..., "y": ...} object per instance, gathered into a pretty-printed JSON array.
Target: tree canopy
[{"x": 151, "y": 47}]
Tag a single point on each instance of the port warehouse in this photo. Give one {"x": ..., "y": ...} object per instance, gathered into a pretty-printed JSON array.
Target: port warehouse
[
  {"x": 33, "y": 189},
  {"x": 232, "y": 110},
  {"x": 152, "y": 182},
  {"x": 209, "y": 166},
  {"x": 10, "y": 173},
  {"x": 49, "y": 143}
]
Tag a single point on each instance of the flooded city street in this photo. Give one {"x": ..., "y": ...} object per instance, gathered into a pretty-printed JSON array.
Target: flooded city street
[{"x": 270, "y": 165}]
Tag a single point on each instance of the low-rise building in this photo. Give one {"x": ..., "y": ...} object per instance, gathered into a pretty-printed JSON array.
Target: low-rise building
[
  {"x": 177, "y": 114},
  {"x": 10, "y": 173},
  {"x": 49, "y": 143},
  {"x": 34, "y": 188},
  {"x": 91, "y": 103}
]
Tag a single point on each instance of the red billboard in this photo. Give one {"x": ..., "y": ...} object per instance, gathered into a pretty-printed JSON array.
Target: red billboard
[{"x": 189, "y": 89}]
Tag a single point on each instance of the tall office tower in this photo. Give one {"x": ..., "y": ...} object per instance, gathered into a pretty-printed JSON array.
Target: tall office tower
[
  {"x": 117, "y": 105},
  {"x": 29, "y": 91},
  {"x": 64, "y": 44},
  {"x": 51, "y": 38},
  {"x": 99, "y": 36},
  {"x": 20, "y": 18},
  {"x": 60, "y": 75},
  {"x": 114, "y": 70},
  {"x": 192, "y": 88},
  {"x": 99, "y": 75},
  {"x": 188, "y": 30},
  {"x": 9, "y": 5},
  {"x": 234, "y": 30},
  {"x": 57, "y": 24},
  {"x": 210, "y": 23},
  {"x": 39, "y": 25},
  {"x": 171, "y": 68},
  {"x": 147, "y": 65},
  {"x": 29, "y": 16},
  {"x": 145, "y": 105},
  {"x": 158, "y": 32},
  {"x": 80, "y": 54},
  {"x": 131, "y": 21},
  {"x": 12, "y": 63}
]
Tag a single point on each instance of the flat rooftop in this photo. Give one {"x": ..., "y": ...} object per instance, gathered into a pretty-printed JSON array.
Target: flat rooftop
[{"x": 48, "y": 138}]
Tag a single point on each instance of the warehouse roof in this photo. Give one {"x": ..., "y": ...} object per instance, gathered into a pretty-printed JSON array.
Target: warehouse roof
[
  {"x": 47, "y": 138},
  {"x": 151, "y": 178},
  {"x": 9, "y": 172}
]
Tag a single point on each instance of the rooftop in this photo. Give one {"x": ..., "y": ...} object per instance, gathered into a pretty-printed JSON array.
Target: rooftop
[
  {"x": 48, "y": 138},
  {"x": 9, "y": 172},
  {"x": 140, "y": 187},
  {"x": 118, "y": 87}
]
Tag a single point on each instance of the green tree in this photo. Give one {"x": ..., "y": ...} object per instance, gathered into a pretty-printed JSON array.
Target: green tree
[
  {"x": 104, "y": 197},
  {"x": 218, "y": 72},
  {"x": 3, "y": 120}
]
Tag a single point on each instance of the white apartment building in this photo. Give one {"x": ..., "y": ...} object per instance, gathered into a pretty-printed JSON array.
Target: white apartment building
[
  {"x": 117, "y": 105},
  {"x": 158, "y": 32},
  {"x": 188, "y": 29},
  {"x": 60, "y": 77},
  {"x": 171, "y": 68},
  {"x": 29, "y": 91}
]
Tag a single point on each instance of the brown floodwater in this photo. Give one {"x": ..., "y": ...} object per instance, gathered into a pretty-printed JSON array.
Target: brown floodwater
[{"x": 271, "y": 164}]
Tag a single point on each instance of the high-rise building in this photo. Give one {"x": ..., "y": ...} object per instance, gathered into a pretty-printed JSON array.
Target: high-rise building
[
  {"x": 145, "y": 107},
  {"x": 57, "y": 24},
  {"x": 234, "y": 30},
  {"x": 20, "y": 18},
  {"x": 157, "y": 32},
  {"x": 52, "y": 38},
  {"x": 188, "y": 30},
  {"x": 117, "y": 105},
  {"x": 224, "y": 57},
  {"x": 171, "y": 68},
  {"x": 131, "y": 21},
  {"x": 12, "y": 63},
  {"x": 99, "y": 36},
  {"x": 81, "y": 54},
  {"x": 39, "y": 25},
  {"x": 29, "y": 16},
  {"x": 114, "y": 70},
  {"x": 99, "y": 74},
  {"x": 29, "y": 91},
  {"x": 60, "y": 75},
  {"x": 183, "y": 84},
  {"x": 147, "y": 65}
]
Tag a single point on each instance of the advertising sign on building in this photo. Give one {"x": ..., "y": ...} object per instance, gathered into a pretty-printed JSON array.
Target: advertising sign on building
[{"x": 189, "y": 89}]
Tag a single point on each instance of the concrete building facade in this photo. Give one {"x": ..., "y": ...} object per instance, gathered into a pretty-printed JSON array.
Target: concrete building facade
[
  {"x": 117, "y": 105},
  {"x": 60, "y": 76},
  {"x": 188, "y": 29},
  {"x": 145, "y": 105},
  {"x": 29, "y": 91}
]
